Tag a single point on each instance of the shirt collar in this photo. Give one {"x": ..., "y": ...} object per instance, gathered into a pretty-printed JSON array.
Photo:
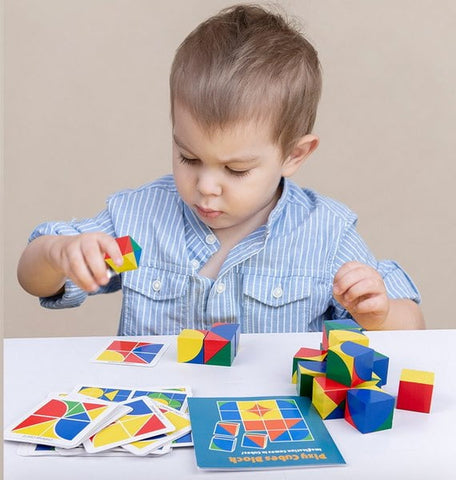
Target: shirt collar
[
  {"x": 278, "y": 210},
  {"x": 196, "y": 228}
]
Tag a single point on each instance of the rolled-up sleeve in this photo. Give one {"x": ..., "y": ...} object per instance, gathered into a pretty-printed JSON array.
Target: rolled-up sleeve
[
  {"x": 72, "y": 295},
  {"x": 352, "y": 247},
  {"x": 397, "y": 282}
]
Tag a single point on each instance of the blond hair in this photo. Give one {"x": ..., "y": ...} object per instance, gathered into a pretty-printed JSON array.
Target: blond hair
[{"x": 246, "y": 63}]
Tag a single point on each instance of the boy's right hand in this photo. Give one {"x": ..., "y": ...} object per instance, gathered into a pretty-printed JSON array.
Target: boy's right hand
[{"x": 81, "y": 258}]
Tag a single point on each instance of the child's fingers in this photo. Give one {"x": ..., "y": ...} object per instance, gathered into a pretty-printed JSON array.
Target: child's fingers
[
  {"x": 109, "y": 246},
  {"x": 78, "y": 270},
  {"x": 361, "y": 287},
  {"x": 94, "y": 253},
  {"x": 349, "y": 274},
  {"x": 368, "y": 304}
]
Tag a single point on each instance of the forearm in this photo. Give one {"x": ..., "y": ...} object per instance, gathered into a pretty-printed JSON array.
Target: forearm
[
  {"x": 35, "y": 273},
  {"x": 403, "y": 314}
]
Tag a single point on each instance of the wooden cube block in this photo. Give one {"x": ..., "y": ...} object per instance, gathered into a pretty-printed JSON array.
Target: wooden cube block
[
  {"x": 339, "y": 336},
  {"x": 328, "y": 398},
  {"x": 342, "y": 324},
  {"x": 380, "y": 367},
  {"x": 306, "y": 372},
  {"x": 131, "y": 253},
  {"x": 375, "y": 381},
  {"x": 190, "y": 346},
  {"x": 369, "y": 409},
  {"x": 306, "y": 354},
  {"x": 415, "y": 390},
  {"x": 349, "y": 363},
  {"x": 221, "y": 344},
  {"x": 217, "y": 346}
]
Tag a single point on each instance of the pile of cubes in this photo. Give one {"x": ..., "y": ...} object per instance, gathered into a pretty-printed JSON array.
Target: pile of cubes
[{"x": 344, "y": 379}]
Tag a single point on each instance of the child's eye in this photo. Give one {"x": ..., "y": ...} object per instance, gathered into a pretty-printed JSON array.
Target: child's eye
[
  {"x": 188, "y": 161},
  {"x": 238, "y": 173}
]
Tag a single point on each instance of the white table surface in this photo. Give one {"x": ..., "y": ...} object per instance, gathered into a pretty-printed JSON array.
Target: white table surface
[{"x": 419, "y": 446}]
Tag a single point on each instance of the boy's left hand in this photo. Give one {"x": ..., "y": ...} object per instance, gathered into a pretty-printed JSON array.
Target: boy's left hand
[{"x": 360, "y": 289}]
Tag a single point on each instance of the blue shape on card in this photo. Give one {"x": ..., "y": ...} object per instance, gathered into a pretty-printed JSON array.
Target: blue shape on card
[
  {"x": 224, "y": 444},
  {"x": 69, "y": 429}
]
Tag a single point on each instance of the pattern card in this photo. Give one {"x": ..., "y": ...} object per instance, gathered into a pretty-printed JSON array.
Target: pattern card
[
  {"x": 64, "y": 421},
  {"x": 143, "y": 421},
  {"x": 181, "y": 423},
  {"x": 124, "y": 352},
  {"x": 34, "y": 450},
  {"x": 185, "y": 441},
  {"x": 172, "y": 397}
]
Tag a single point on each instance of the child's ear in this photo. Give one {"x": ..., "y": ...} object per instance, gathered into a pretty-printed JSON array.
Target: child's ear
[{"x": 302, "y": 149}]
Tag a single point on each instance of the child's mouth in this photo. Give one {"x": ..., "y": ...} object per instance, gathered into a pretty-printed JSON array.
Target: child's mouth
[{"x": 207, "y": 212}]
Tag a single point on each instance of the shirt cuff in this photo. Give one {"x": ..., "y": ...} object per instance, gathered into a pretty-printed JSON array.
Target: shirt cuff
[
  {"x": 72, "y": 296},
  {"x": 398, "y": 284}
]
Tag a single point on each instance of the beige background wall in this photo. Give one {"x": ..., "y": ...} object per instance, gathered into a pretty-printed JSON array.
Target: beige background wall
[{"x": 86, "y": 114}]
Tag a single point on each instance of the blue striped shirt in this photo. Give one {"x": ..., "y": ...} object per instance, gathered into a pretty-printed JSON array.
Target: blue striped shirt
[{"x": 278, "y": 279}]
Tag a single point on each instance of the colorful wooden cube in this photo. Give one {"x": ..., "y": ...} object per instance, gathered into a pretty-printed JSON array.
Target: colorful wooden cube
[
  {"x": 349, "y": 363},
  {"x": 217, "y": 346},
  {"x": 306, "y": 372},
  {"x": 131, "y": 253},
  {"x": 380, "y": 367},
  {"x": 328, "y": 398},
  {"x": 342, "y": 324},
  {"x": 415, "y": 390},
  {"x": 306, "y": 354},
  {"x": 369, "y": 409},
  {"x": 221, "y": 344},
  {"x": 375, "y": 381},
  {"x": 339, "y": 336},
  {"x": 190, "y": 346}
]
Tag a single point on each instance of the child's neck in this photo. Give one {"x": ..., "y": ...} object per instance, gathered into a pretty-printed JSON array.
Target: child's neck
[{"x": 230, "y": 237}]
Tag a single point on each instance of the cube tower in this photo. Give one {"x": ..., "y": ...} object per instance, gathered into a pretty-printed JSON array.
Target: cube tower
[{"x": 350, "y": 388}]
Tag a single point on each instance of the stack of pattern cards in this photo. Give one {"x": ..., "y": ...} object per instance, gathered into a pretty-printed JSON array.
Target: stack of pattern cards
[
  {"x": 105, "y": 421},
  {"x": 65, "y": 422}
]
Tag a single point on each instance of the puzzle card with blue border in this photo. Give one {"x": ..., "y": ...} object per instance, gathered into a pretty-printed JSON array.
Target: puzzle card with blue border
[
  {"x": 127, "y": 352},
  {"x": 260, "y": 433}
]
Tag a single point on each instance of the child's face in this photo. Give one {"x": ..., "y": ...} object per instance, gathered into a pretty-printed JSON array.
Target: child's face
[{"x": 230, "y": 178}]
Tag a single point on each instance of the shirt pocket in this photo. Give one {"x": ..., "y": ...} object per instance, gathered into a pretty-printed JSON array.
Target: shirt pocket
[
  {"x": 276, "y": 303},
  {"x": 154, "y": 301}
]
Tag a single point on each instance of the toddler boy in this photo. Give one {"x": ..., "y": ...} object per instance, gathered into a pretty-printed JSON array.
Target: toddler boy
[{"x": 229, "y": 237}]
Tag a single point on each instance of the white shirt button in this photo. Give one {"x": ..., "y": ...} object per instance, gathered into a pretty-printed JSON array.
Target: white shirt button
[
  {"x": 277, "y": 292},
  {"x": 195, "y": 264},
  {"x": 210, "y": 239},
  {"x": 157, "y": 285},
  {"x": 220, "y": 288}
]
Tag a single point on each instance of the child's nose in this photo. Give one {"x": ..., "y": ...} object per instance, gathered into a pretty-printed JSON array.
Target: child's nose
[{"x": 208, "y": 184}]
